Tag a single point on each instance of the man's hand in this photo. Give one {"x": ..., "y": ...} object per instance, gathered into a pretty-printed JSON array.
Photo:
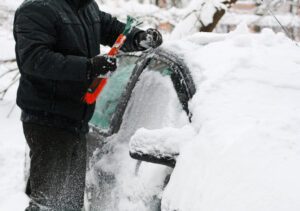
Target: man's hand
[
  {"x": 101, "y": 65},
  {"x": 151, "y": 38}
]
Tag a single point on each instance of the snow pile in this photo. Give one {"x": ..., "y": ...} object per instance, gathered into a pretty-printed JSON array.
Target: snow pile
[{"x": 246, "y": 153}]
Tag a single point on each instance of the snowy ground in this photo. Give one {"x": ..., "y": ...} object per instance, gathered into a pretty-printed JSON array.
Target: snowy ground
[{"x": 12, "y": 151}]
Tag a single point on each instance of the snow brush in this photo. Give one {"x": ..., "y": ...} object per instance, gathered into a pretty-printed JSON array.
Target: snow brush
[{"x": 99, "y": 83}]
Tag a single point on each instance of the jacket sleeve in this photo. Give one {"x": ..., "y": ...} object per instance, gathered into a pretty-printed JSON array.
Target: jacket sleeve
[
  {"x": 35, "y": 35},
  {"x": 111, "y": 28}
]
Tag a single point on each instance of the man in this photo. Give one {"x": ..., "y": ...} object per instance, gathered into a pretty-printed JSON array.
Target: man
[{"x": 57, "y": 49}]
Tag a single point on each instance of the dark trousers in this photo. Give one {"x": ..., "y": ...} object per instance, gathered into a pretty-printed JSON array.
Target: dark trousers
[{"x": 58, "y": 167}]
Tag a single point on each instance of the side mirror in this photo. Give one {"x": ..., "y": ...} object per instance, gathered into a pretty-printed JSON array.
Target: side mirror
[{"x": 161, "y": 146}]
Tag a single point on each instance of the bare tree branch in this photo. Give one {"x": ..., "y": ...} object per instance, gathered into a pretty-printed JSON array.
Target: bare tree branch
[
  {"x": 8, "y": 71},
  {"x": 7, "y": 61},
  {"x": 5, "y": 90},
  {"x": 217, "y": 17},
  {"x": 14, "y": 79},
  {"x": 11, "y": 110}
]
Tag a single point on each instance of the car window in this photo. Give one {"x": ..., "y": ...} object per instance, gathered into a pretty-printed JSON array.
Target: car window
[
  {"x": 146, "y": 108},
  {"x": 171, "y": 69},
  {"x": 108, "y": 100},
  {"x": 159, "y": 66},
  {"x": 146, "y": 65}
]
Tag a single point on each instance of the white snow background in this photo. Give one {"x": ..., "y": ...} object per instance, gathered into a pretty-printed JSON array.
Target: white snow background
[
  {"x": 243, "y": 151},
  {"x": 12, "y": 141}
]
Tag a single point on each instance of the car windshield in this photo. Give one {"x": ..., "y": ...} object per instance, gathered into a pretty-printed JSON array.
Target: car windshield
[{"x": 108, "y": 100}]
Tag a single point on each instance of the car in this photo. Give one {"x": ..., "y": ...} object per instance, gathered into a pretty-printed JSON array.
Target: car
[
  {"x": 149, "y": 90},
  {"x": 236, "y": 135}
]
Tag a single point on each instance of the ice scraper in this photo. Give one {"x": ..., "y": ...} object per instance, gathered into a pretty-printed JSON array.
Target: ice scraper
[{"x": 99, "y": 83}]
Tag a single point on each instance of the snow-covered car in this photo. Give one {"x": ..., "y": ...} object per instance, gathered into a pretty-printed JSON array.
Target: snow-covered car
[
  {"x": 138, "y": 95},
  {"x": 227, "y": 104}
]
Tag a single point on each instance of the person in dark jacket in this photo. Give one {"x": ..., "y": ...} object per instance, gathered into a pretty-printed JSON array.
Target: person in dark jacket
[{"x": 58, "y": 54}]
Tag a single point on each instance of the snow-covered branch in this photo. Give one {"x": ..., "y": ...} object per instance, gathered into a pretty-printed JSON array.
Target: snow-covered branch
[
  {"x": 11, "y": 76},
  {"x": 201, "y": 15}
]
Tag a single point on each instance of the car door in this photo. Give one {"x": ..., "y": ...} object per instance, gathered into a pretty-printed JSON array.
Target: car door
[{"x": 151, "y": 90}]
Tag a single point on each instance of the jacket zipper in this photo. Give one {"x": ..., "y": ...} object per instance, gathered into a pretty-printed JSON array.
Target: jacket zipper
[
  {"x": 54, "y": 86},
  {"x": 88, "y": 49}
]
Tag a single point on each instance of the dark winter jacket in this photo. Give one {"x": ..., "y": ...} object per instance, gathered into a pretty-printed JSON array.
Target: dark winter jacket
[{"x": 54, "y": 39}]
